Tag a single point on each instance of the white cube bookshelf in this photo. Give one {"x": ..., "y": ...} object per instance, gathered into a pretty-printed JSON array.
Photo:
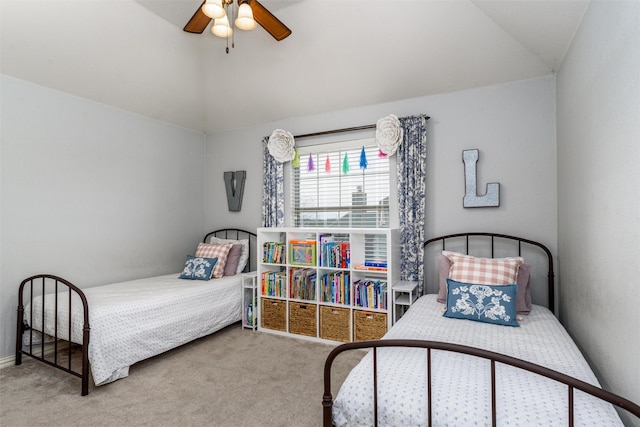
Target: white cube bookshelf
[{"x": 331, "y": 284}]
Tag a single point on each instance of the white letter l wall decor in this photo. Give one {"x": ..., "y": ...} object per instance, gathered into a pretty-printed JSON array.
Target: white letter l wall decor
[{"x": 471, "y": 198}]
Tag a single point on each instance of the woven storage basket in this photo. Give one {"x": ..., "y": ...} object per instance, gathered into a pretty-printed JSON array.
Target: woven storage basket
[
  {"x": 302, "y": 319},
  {"x": 335, "y": 324},
  {"x": 274, "y": 314},
  {"x": 368, "y": 325}
]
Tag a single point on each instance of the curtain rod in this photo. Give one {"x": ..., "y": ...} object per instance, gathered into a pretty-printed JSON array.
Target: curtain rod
[{"x": 329, "y": 132}]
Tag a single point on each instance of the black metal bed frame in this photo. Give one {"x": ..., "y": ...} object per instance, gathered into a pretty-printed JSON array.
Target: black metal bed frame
[
  {"x": 520, "y": 240},
  {"x": 45, "y": 282},
  {"x": 46, "y": 279},
  {"x": 572, "y": 383}
]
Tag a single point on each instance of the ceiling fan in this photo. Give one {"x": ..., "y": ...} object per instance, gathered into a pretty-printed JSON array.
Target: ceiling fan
[{"x": 262, "y": 16}]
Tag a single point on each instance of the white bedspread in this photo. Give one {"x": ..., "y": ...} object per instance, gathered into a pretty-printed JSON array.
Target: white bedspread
[
  {"x": 135, "y": 320},
  {"x": 461, "y": 383}
]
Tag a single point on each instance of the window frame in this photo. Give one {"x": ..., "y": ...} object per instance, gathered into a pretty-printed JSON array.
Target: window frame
[{"x": 315, "y": 145}]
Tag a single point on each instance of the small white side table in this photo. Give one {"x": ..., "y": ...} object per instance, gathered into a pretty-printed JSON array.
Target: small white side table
[
  {"x": 405, "y": 293},
  {"x": 249, "y": 300}
]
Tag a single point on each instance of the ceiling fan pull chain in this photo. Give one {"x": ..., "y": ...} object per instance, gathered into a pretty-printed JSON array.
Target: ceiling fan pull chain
[
  {"x": 235, "y": 16},
  {"x": 229, "y": 9}
]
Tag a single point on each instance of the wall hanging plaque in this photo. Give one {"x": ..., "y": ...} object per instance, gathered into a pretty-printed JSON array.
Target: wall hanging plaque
[
  {"x": 471, "y": 198},
  {"x": 234, "y": 183}
]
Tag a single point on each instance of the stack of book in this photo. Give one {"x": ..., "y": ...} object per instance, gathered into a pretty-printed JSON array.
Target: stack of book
[
  {"x": 303, "y": 284},
  {"x": 273, "y": 252},
  {"x": 335, "y": 287},
  {"x": 370, "y": 293},
  {"x": 373, "y": 265},
  {"x": 274, "y": 283},
  {"x": 334, "y": 254}
]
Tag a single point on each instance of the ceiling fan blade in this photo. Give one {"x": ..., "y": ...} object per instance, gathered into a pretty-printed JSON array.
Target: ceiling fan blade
[
  {"x": 198, "y": 22},
  {"x": 270, "y": 23}
]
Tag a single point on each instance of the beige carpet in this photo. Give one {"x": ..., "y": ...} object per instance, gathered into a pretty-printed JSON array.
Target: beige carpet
[{"x": 234, "y": 377}]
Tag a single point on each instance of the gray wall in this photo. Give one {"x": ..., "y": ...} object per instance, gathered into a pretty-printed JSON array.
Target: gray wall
[
  {"x": 598, "y": 103},
  {"x": 91, "y": 193},
  {"x": 513, "y": 126}
]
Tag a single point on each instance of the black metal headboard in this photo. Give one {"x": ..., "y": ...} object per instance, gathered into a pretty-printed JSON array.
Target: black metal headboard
[
  {"x": 469, "y": 243},
  {"x": 238, "y": 234}
]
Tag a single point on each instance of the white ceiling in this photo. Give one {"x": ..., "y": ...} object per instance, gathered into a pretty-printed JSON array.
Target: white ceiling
[{"x": 133, "y": 54}]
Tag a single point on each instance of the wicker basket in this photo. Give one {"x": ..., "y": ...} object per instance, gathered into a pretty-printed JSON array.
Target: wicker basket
[
  {"x": 274, "y": 314},
  {"x": 302, "y": 319},
  {"x": 368, "y": 325},
  {"x": 335, "y": 324}
]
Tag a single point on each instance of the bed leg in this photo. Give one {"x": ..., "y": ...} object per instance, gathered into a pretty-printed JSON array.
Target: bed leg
[
  {"x": 19, "y": 332},
  {"x": 85, "y": 359},
  {"x": 85, "y": 384},
  {"x": 327, "y": 404}
]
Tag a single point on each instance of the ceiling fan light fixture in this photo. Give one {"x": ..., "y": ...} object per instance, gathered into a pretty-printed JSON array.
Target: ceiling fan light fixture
[
  {"x": 250, "y": 14},
  {"x": 245, "y": 20},
  {"x": 221, "y": 27},
  {"x": 213, "y": 9}
]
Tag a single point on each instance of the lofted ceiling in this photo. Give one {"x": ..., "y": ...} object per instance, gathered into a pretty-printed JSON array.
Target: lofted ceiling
[{"x": 133, "y": 54}]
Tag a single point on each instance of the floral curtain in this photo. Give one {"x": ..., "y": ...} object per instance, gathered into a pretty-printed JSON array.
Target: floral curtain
[
  {"x": 411, "y": 167},
  {"x": 272, "y": 190}
]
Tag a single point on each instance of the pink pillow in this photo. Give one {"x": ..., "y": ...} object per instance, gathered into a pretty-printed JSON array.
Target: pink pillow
[
  {"x": 232, "y": 260},
  {"x": 523, "y": 296},
  {"x": 221, "y": 251},
  {"x": 483, "y": 271},
  {"x": 444, "y": 265}
]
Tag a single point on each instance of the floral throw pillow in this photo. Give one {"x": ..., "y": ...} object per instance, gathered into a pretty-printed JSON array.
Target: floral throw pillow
[
  {"x": 482, "y": 303},
  {"x": 198, "y": 268}
]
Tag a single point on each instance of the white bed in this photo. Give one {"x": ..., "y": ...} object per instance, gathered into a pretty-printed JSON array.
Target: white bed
[
  {"x": 461, "y": 382},
  {"x": 119, "y": 324},
  {"x": 132, "y": 321},
  {"x": 489, "y": 290}
]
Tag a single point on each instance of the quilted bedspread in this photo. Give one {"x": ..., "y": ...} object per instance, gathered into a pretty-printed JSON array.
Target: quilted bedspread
[
  {"x": 461, "y": 383},
  {"x": 132, "y": 321}
]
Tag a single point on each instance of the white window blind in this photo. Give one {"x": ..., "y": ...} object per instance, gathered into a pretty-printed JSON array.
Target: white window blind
[
  {"x": 358, "y": 198},
  {"x": 375, "y": 247}
]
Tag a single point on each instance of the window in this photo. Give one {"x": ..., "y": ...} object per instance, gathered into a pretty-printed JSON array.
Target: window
[{"x": 329, "y": 197}]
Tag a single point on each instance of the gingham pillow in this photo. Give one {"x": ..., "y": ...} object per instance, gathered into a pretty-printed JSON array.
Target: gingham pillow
[
  {"x": 221, "y": 251},
  {"x": 483, "y": 271},
  {"x": 244, "y": 254}
]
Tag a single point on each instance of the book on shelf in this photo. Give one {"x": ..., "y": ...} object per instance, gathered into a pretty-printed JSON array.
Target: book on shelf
[
  {"x": 273, "y": 252},
  {"x": 274, "y": 283},
  {"x": 334, "y": 254},
  {"x": 370, "y": 268},
  {"x": 375, "y": 263},
  {"x": 335, "y": 287},
  {"x": 249, "y": 319},
  {"x": 303, "y": 252},
  {"x": 303, "y": 284},
  {"x": 323, "y": 239},
  {"x": 370, "y": 293}
]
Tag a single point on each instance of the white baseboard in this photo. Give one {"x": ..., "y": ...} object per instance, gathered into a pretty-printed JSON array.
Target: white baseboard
[{"x": 7, "y": 361}]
